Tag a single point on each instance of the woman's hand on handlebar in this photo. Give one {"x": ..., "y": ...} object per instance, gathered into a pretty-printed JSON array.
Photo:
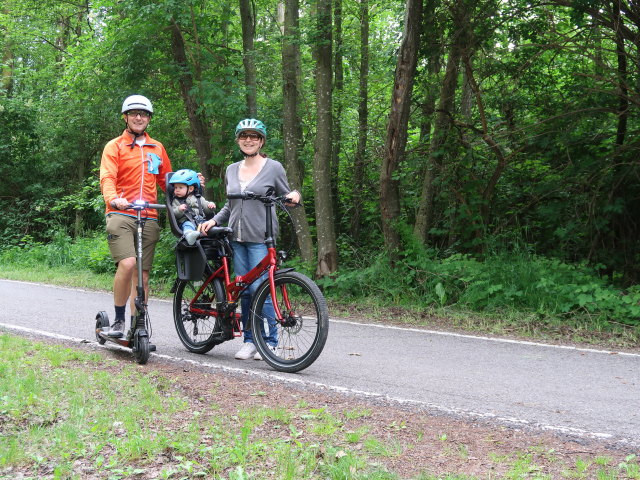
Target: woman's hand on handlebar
[
  {"x": 205, "y": 226},
  {"x": 292, "y": 198},
  {"x": 120, "y": 203}
]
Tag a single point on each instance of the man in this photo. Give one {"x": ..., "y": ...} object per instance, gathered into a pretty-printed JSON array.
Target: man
[{"x": 133, "y": 165}]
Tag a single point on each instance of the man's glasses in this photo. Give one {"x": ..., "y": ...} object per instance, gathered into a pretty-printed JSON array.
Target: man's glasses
[
  {"x": 250, "y": 136},
  {"x": 135, "y": 113}
]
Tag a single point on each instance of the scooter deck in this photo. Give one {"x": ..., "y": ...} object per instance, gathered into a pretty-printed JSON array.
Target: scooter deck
[{"x": 120, "y": 341}]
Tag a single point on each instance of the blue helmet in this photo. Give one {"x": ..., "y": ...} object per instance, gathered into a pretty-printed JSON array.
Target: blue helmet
[
  {"x": 251, "y": 124},
  {"x": 186, "y": 176}
]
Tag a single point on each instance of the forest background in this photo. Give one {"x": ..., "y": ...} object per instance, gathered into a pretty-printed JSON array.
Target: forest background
[{"x": 474, "y": 154}]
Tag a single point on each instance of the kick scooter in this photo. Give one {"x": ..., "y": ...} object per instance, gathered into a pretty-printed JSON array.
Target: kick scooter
[{"x": 138, "y": 336}]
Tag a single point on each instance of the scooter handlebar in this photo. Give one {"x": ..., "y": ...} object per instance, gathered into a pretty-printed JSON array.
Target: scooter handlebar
[{"x": 141, "y": 205}]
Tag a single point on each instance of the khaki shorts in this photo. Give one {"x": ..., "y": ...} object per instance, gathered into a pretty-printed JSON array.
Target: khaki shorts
[{"x": 121, "y": 235}]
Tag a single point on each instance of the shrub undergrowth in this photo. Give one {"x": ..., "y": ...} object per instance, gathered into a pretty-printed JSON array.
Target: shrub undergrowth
[
  {"x": 503, "y": 281},
  {"x": 515, "y": 281}
]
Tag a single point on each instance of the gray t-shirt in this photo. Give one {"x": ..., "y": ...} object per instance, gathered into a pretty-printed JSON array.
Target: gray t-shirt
[{"x": 248, "y": 217}]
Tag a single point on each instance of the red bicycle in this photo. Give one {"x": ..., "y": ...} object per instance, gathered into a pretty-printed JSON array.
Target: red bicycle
[{"x": 287, "y": 305}]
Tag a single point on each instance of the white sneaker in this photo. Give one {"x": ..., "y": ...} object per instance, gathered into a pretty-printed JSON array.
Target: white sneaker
[
  {"x": 247, "y": 351},
  {"x": 191, "y": 236},
  {"x": 257, "y": 356}
]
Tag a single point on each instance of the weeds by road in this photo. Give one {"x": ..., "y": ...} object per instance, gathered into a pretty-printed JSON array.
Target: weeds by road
[
  {"x": 80, "y": 413},
  {"x": 579, "y": 331}
]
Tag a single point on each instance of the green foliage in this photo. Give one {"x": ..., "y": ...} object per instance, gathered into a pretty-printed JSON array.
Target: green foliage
[
  {"x": 545, "y": 163},
  {"x": 83, "y": 253},
  {"x": 504, "y": 281},
  {"x": 164, "y": 261}
]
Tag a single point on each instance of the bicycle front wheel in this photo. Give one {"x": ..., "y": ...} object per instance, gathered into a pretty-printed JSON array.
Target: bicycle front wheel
[
  {"x": 197, "y": 329},
  {"x": 296, "y": 342}
]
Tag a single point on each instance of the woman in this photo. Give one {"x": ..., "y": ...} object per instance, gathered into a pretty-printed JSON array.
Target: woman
[{"x": 254, "y": 173}]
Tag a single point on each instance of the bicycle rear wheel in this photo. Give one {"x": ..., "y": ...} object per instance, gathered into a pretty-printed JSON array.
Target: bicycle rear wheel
[
  {"x": 302, "y": 334},
  {"x": 197, "y": 330}
]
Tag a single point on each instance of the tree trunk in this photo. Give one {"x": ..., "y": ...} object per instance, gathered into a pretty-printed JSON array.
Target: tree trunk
[
  {"x": 397, "y": 127},
  {"x": 327, "y": 248},
  {"x": 357, "y": 200},
  {"x": 199, "y": 130},
  {"x": 337, "y": 102},
  {"x": 623, "y": 103},
  {"x": 291, "y": 122},
  {"x": 442, "y": 125},
  {"x": 7, "y": 60},
  {"x": 490, "y": 187},
  {"x": 248, "y": 56}
]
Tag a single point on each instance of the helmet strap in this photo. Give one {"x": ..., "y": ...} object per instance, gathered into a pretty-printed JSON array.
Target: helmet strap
[
  {"x": 135, "y": 135},
  {"x": 250, "y": 155}
]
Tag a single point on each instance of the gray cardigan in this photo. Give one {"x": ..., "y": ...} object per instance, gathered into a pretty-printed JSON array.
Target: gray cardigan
[{"x": 247, "y": 217}]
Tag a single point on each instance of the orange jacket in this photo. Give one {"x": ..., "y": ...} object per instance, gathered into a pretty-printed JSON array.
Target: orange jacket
[{"x": 133, "y": 172}]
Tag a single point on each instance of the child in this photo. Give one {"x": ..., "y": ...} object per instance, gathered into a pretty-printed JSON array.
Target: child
[{"x": 187, "y": 208}]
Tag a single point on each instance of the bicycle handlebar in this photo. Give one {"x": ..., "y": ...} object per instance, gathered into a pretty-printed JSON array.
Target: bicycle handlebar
[{"x": 262, "y": 198}]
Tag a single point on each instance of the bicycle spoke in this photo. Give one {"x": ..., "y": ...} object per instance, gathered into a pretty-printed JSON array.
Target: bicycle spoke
[
  {"x": 194, "y": 315},
  {"x": 300, "y": 336}
]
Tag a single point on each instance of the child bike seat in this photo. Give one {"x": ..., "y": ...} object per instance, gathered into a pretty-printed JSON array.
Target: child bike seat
[{"x": 169, "y": 197}]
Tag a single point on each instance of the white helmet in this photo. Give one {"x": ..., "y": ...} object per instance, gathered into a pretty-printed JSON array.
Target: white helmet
[{"x": 137, "y": 102}]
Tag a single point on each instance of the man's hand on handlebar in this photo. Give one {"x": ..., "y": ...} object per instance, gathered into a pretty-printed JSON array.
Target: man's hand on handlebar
[{"x": 120, "y": 203}]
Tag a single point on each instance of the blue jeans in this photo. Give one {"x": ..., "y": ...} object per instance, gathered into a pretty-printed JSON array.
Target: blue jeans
[
  {"x": 187, "y": 226},
  {"x": 247, "y": 255}
]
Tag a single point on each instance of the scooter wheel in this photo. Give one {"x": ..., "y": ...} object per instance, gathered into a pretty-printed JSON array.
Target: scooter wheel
[
  {"x": 102, "y": 321},
  {"x": 141, "y": 350}
]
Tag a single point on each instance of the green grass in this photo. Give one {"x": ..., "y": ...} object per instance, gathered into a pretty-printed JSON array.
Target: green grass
[
  {"x": 69, "y": 414},
  {"x": 73, "y": 277},
  {"x": 513, "y": 323},
  {"x": 513, "y": 293},
  {"x": 60, "y": 406}
]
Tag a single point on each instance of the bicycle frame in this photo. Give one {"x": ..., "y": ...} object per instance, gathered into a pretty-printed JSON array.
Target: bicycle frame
[
  {"x": 287, "y": 314},
  {"x": 234, "y": 287}
]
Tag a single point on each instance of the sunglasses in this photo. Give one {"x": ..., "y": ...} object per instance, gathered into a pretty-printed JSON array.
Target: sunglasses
[
  {"x": 135, "y": 113},
  {"x": 250, "y": 136}
]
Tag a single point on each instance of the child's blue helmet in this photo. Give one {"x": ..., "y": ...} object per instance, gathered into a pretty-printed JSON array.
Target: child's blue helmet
[{"x": 186, "y": 176}]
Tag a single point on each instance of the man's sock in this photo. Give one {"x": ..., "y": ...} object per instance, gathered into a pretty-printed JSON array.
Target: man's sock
[{"x": 120, "y": 312}]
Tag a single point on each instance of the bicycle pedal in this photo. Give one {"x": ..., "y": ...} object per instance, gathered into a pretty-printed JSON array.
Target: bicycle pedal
[{"x": 152, "y": 348}]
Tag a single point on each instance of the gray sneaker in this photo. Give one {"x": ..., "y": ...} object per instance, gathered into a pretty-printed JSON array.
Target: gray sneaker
[
  {"x": 117, "y": 329},
  {"x": 191, "y": 236}
]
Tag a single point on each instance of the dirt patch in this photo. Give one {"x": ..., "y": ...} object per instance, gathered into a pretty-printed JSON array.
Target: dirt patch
[
  {"x": 412, "y": 442},
  {"x": 416, "y": 441}
]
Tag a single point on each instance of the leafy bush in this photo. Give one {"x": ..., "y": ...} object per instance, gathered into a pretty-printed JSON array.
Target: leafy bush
[
  {"x": 93, "y": 252},
  {"x": 515, "y": 281},
  {"x": 520, "y": 280},
  {"x": 164, "y": 262}
]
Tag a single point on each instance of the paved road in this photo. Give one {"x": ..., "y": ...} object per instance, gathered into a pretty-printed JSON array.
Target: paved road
[{"x": 581, "y": 392}]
